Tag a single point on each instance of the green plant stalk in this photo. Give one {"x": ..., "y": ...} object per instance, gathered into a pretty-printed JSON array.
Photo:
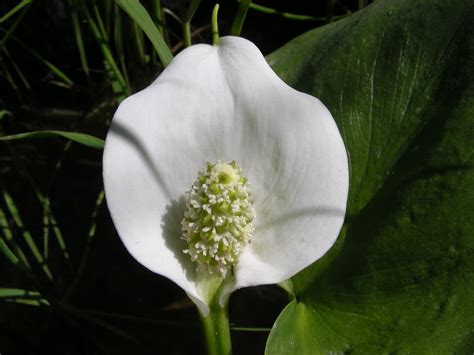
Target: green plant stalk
[
  {"x": 139, "y": 14},
  {"x": 215, "y": 25},
  {"x": 8, "y": 76},
  {"x": 187, "y": 21},
  {"x": 15, "y": 10},
  {"x": 100, "y": 23},
  {"x": 26, "y": 234},
  {"x": 106, "y": 52},
  {"x": 54, "y": 69},
  {"x": 216, "y": 330},
  {"x": 118, "y": 39},
  {"x": 18, "y": 252},
  {"x": 13, "y": 27},
  {"x": 240, "y": 17},
  {"x": 18, "y": 71},
  {"x": 87, "y": 249},
  {"x": 139, "y": 43},
  {"x": 158, "y": 15},
  {"x": 78, "y": 36},
  {"x": 287, "y": 15}
]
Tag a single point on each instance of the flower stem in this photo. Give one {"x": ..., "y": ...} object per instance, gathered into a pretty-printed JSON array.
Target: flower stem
[
  {"x": 215, "y": 27},
  {"x": 216, "y": 330}
]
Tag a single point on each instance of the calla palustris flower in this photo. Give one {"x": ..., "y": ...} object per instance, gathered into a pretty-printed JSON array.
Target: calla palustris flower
[{"x": 224, "y": 105}]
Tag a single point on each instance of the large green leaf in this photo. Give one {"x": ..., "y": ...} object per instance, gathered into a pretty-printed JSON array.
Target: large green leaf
[{"x": 398, "y": 78}]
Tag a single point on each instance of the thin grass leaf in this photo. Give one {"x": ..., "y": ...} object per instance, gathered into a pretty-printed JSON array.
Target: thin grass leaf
[
  {"x": 139, "y": 43},
  {"x": 137, "y": 319},
  {"x": 87, "y": 249},
  {"x": 8, "y": 253},
  {"x": 36, "y": 303},
  {"x": 100, "y": 23},
  {"x": 78, "y": 36},
  {"x": 158, "y": 16},
  {"x": 193, "y": 6},
  {"x": 106, "y": 52},
  {"x": 290, "y": 16},
  {"x": 13, "y": 27},
  {"x": 16, "y": 295},
  {"x": 54, "y": 69},
  {"x": 172, "y": 15},
  {"x": 82, "y": 138},
  {"x": 49, "y": 222},
  {"x": 108, "y": 6},
  {"x": 138, "y": 13},
  {"x": 8, "y": 76},
  {"x": 118, "y": 40},
  {"x": 240, "y": 17},
  {"x": 251, "y": 329},
  {"x": 17, "y": 292},
  {"x": 82, "y": 315},
  {"x": 19, "y": 255},
  {"x": 26, "y": 234},
  {"x": 15, "y": 9},
  {"x": 19, "y": 73},
  {"x": 115, "y": 84}
]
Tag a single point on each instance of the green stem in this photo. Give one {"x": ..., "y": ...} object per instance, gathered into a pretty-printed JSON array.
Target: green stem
[
  {"x": 287, "y": 15},
  {"x": 216, "y": 330},
  {"x": 187, "y": 21},
  {"x": 240, "y": 17},
  {"x": 215, "y": 26}
]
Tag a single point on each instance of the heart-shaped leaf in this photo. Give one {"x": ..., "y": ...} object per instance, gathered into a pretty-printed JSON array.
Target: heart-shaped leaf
[{"x": 398, "y": 78}]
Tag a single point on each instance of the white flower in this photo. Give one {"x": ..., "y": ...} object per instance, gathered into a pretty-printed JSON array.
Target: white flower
[{"x": 224, "y": 103}]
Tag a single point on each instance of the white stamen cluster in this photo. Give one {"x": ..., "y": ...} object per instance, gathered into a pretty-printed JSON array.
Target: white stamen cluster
[{"x": 217, "y": 223}]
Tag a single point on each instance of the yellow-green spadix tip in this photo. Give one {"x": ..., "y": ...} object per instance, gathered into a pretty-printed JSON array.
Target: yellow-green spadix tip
[{"x": 217, "y": 223}]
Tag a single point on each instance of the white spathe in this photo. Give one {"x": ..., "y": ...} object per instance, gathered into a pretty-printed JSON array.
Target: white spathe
[{"x": 225, "y": 103}]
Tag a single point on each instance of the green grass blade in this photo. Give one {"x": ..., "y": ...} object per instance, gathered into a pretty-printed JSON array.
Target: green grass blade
[
  {"x": 287, "y": 15},
  {"x": 17, "y": 255},
  {"x": 139, "y": 43},
  {"x": 109, "y": 60},
  {"x": 16, "y": 292},
  {"x": 90, "y": 237},
  {"x": 5, "y": 72},
  {"x": 26, "y": 234},
  {"x": 13, "y": 27},
  {"x": 16, "y": 295},
  {"x": 100, "y": 23},
  {"x": 28, "y": 302},
  {"x": 15, "y": 9},
  {"x": 158, "y": 15},
  {"x": 138, "y": 13},
  {"x": 118, "y": 40},
  {"x": 8, "y": 253},
  {"x": 82, "y": 138},
  {"x": 49, "y": 222},
  {"x": 79, "y": 313},
  {"x": 240, "y": 17},
  {"x": 193, "y": 6},
  {"x": 78, "y": 35},
  {"x": 251, "y": 329},
  {"x": 23, "y": 79},
  {"x": 54, "y": 69}
]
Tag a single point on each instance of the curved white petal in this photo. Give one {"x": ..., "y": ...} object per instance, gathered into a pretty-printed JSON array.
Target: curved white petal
[{"x": 225, "y": 103}]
